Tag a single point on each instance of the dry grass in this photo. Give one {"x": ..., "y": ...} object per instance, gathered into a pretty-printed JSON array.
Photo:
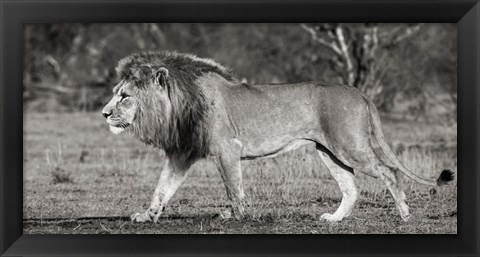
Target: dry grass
[{"x": 74, "y": 168}]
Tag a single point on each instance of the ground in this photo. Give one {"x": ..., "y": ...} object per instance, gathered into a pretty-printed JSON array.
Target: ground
[{"x": 79, "y": 178}]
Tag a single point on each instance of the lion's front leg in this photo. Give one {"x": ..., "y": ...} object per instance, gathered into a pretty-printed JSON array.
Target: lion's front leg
[
  {"x": 171, "y": 178},
  {"x": 228, "y": 163}
]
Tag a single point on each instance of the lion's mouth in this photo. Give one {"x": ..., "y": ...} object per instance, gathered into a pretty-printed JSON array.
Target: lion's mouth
[{"x": 117, "y": 127}]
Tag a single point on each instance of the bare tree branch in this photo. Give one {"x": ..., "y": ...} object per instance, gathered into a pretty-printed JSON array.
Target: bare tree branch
[
  {"x": 407, "y": 33},
  {"x": 330, "y": 45},
  {"x": 345, "y": 54},
  {"x": 374, "y": 41}
]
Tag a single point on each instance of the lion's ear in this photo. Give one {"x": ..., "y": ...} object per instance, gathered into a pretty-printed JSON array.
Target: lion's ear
[{"x": 161, "y": 75}]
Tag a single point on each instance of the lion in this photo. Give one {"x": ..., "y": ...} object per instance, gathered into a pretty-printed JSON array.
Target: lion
[{"x": 194, "y": 108}]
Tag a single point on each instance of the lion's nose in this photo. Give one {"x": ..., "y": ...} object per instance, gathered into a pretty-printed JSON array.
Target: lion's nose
[{"x": 106, "y": 114}]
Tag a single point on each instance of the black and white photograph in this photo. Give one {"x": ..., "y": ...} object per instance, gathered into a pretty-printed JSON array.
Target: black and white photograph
[{"x": 240, "y": 128}]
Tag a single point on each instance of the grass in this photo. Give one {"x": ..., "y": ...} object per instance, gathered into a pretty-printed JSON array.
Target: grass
[{"x": 79, "y": 178}]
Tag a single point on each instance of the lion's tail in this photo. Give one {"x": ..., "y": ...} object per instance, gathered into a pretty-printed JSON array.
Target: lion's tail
[{"x": 445, "y": 176}]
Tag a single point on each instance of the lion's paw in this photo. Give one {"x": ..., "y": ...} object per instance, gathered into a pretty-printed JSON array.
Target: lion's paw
[
  {"x": 406, "y": 217},
  {"x": 230, "y": 214},
  {"x": 331, "y": 217},
  {"x": 140, "y": 217},
  {"x": 404, "y": 212},
  {"x": 226, "y": 214}
]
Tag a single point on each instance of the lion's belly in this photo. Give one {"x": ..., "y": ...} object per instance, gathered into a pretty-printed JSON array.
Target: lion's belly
[{"x": 271, "y": 147}]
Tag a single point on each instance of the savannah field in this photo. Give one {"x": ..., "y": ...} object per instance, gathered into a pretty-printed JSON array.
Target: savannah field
[{"x": 80, "y": 179}]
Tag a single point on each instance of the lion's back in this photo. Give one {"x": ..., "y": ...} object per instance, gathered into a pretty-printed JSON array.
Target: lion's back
[
  {"x": 273, "y": 109},
  {"x": 267, "y": 110}
]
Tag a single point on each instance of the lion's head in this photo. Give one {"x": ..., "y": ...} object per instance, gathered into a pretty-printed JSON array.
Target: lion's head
[
  {"x": 159, "y": 101},
  {"x": 133, "y": 97}
]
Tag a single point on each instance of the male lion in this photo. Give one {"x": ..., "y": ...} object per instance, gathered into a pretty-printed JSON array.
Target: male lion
[{"x": 193, "y": 108}]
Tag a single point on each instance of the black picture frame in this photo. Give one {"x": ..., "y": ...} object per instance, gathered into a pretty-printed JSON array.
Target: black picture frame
[{"x": 13, "y": 13}]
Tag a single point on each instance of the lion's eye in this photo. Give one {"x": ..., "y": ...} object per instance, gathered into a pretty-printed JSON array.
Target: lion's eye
[{"x": 123, "y": 96}]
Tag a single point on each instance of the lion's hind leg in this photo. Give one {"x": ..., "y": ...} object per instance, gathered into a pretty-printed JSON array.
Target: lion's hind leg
[
  {"x": 389, "y": 176},
  {"x": 346, "y": 181},
  {"x": 368, "y": 162}
]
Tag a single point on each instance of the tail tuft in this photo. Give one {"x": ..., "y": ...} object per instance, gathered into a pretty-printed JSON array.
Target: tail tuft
[{"x": 445, "y": 177}]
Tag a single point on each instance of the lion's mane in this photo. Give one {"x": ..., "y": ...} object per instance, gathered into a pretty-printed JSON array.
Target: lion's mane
[{"x": 178, "y": 124}]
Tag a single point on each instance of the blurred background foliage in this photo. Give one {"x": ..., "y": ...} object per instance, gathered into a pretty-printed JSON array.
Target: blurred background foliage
[{"x": 408, "y": 69}]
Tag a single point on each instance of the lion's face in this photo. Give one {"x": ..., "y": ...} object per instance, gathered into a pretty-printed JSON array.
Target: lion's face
[
  {"x": 120, "y": 112},
  {"x": 137, "y": 94}
]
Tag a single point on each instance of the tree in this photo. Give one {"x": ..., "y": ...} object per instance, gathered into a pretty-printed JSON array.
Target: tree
[{"x": 360, "y": 51}]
